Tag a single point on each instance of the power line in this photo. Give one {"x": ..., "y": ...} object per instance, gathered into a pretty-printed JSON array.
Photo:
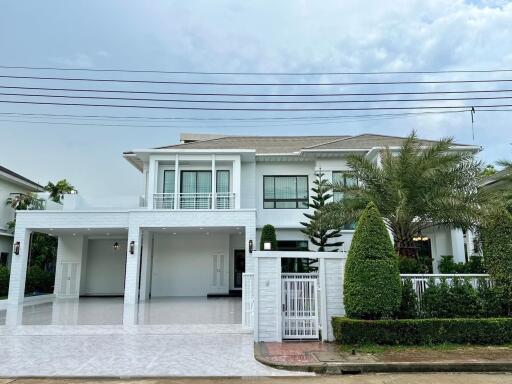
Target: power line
[
  {"x": 255, "y": 102},
  {"x": 251, "y": 109},
  {"x": 221, "y": 119},
  {"x": 121, "y": 70},
  {"x": 256, "y": 94},
  {"x": 257, "y": 84}
]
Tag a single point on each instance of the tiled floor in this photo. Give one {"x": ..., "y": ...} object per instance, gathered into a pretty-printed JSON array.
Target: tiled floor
[
  {"x": 173, "y": 337},
  {"x": 109, "y": 311},
  {"x": 127, "y": 354}
]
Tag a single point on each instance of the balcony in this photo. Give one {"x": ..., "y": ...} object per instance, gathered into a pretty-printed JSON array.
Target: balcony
[{"x": 191, "y": 201}]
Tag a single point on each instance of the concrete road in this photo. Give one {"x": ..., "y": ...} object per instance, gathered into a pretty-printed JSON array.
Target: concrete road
[{"x": 441, "y": 378}]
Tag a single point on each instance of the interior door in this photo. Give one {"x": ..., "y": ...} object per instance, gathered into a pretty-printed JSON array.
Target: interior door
[
  {"x": 219, "y": 281},
  {"x": 69, "y": 279},
  {"x": 239, "y": 267}
]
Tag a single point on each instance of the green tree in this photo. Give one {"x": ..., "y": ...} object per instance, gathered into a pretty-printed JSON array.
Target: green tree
[
  {"x": 268, "y": 235},
  {"x": 319, "y": 230},
  {"x": 417, "y": 187},
  {"x": 59, "y": 189},
  {"x": 372, "y": 287},
  {"x": 497, "y": 250}
]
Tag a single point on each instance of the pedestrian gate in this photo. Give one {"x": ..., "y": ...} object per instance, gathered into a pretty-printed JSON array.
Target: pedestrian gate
[{"x": 299, "y": 299}]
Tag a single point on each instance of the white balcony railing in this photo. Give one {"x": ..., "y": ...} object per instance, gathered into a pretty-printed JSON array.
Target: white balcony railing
[{"x": 194, "y": 201}]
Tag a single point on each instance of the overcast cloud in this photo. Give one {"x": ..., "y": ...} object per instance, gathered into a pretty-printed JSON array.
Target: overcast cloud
[{"x": 260, "y": 36}]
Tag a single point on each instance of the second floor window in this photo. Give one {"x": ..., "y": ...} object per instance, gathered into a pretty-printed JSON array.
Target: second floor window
[
  {"x": 168, "y": 181},
  {"x": 343, "y": 178},
  {"x": 285, "y": 192}
]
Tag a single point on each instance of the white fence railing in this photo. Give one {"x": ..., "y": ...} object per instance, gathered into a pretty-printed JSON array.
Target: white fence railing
[
  {"x": 421, "y": 281},
  {"x": 224, "y": 200},
  {"x": 248, "y": 300}
]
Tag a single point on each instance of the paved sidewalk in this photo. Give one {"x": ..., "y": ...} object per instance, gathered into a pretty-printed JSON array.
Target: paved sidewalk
[
  {"x": 328, "y": 358},
  {"x": 147, "y": 352}
]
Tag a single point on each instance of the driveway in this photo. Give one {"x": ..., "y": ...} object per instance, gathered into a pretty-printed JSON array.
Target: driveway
[{"x": 114, "y": 351}]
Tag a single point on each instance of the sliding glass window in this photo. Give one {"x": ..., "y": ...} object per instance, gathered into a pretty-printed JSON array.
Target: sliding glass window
[
  {"x": 348, "y": 180},
  {"x": 285, "y": 192}
]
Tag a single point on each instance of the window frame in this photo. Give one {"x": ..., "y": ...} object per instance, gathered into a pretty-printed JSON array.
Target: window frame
[
  {"x": 347, "y": 226},
  {"x": 296, "y": 200},
  {"x": 209, "y": 171}
]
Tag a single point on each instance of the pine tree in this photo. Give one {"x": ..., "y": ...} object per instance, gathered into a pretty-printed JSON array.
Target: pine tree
[{"x": 320, "y": 232}]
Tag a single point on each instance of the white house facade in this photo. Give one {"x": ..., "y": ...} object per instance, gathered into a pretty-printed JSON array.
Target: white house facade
[
  {"x": 195, "y": 232},
  {"x": 11, "y": 184}
]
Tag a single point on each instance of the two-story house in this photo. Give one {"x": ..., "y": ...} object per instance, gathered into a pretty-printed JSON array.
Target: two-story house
[
  {"x": 193, "y": 232},
  {"x": 11, "y": 184}
]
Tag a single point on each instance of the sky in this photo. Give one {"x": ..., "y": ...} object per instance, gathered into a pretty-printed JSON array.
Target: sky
[{"x": 236, "y": 36}]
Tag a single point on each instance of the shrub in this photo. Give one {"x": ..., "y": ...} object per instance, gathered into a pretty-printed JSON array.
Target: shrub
[
  {"x": 497, "y": 250},
  {"x": 422, "y": 331},
  {"x": 464, "y": 299},
  {"x": 39, "y": 281},
  {"x": 474, "y": 265},
  {"x": 4, "y": 280},
  {"x": 372, "y": 287},
  {"x": 268, "y": 235},
  {"x": 409, "y": 304},
  {"x": 437, "y": 300},
  {"x": 413, "y": 265},
  {"x": 491, "y": 301}
]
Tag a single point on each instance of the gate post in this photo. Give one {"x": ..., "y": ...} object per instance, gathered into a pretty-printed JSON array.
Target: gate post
[{"x": 324, "y": 322}]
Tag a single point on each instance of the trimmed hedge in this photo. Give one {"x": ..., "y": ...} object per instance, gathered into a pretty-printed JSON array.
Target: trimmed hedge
[
  {"x": 372, "y": 287},
  {"x": 423, "y": 331}
]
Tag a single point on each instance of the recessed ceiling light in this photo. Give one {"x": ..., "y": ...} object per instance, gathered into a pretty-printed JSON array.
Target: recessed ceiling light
[
  {"x": 237, "y": 228},
  {"x": 88, "y": 229},
  {"x": 164, "y": 228},
  {"x": 207, "y": 233},
  {"x": 74, "y": 234},
  {"x": 51, "y": 229},
  {"x": 201, "y": 228},
  {"x": 174, "y": 233},
  {"x": 108, "y": 233}
]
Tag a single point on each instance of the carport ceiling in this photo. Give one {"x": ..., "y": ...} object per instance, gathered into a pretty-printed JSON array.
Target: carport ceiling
[
  {"x": 199, "y": 230},
  {"x": 84, "y": 231}
]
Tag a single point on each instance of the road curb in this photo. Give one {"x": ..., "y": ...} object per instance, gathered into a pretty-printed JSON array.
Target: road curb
[{"x": 339, "y": 368}]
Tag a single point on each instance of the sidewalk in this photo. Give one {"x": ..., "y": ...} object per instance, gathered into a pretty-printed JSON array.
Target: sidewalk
[{"x": 330, "y": 358}]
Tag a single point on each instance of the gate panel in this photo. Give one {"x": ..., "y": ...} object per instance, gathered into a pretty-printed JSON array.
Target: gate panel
[{"x": 299, "y": 305}]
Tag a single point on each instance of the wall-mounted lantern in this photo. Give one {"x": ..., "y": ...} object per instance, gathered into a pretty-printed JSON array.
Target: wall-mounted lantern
[
  {"x": 132, "y": 247},
  {"x": 17, "y": 248},
  {"x": 267, "y": 246},
  {"x": 116, "y": 246},
  {"x": 250, "y": 246}
]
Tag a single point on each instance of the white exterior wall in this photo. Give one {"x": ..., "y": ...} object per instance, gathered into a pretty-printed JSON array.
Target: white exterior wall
[
  {"x": 182, "y": 265},
  {"x": 334, "y": 275},
  {"x": 105, "y": 267},
  {"x": 267, "y": 311}
]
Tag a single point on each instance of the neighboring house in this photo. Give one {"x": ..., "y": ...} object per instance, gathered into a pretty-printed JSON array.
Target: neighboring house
[
  {"x": 499, "y": 181},
  {"x": 11, "y": 184},
  {"x": 196, "y": 229}
]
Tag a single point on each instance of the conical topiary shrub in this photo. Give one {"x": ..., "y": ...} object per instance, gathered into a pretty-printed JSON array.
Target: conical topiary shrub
[
  {"x": 372, "y": 288},
  {"x": 268, "y": 235}
]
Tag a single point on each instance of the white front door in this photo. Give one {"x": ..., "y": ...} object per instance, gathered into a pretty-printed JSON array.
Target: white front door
[{"x": 219, "y": 282}]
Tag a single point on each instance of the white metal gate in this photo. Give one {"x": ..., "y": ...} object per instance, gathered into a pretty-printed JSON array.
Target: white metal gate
[{"x": 300, "y": 305}]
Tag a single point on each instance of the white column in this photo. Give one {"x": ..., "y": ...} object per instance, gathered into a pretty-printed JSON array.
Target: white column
[
  {"x": 145, "y": 275},
  {"x": 470, "y": 243},
  {"x": 176, "y": 181},
  {"x": 17, "y": 278},
  {"x": 237, "y": 177},
  {"x": 214, "y": 183},
  {"x": 457, "y": 238},
  {"x": 19, "y": 266},
  {"x": 152, "y": 178},
  {"x": 131, "y": 284}
]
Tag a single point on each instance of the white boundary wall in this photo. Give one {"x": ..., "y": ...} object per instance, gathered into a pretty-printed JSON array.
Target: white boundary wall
[{"x": 267, "y": 291}]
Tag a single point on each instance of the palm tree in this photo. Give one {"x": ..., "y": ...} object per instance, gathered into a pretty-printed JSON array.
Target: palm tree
[
  {"x": 58, "y": 189},
  {"x": 414, "y": 189},
  {"x": 23, "y": 201}
]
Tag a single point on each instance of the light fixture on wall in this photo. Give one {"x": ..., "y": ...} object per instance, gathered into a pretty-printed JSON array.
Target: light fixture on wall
[
  {"x": 17, "y": 248},
  {"x": 132, "y": 247},
  {"x": 267, "y": 246},
  {"x": 250, "y": 246},
  {"x": 116, "y": 246}
]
